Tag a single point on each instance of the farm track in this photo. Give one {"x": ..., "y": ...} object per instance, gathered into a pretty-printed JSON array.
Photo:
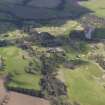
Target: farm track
[{"x": 13, "y": 98}]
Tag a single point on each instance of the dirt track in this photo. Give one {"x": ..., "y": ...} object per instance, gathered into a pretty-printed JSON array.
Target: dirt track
[
  {"x": 18, "y": 98},
  {"x": 2, "y": 90}
]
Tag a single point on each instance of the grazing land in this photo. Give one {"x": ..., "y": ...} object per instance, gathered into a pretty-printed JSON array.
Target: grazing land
[
  {"x": 98, "y": 7},
  {"x": 84, "y": 84},
  {"x": 52, "y": 52}
]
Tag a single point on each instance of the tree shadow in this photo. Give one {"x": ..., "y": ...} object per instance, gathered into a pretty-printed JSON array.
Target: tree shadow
[
  {"x": 22, "y": 16},
  {"x": 6, "y": 27},
  {"x": 99, "y": 33},
  {"x": 70, "y": 10}
]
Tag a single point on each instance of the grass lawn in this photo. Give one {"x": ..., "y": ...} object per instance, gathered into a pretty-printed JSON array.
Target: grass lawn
[
  {"x": 26, "y": 81},
  {"x": 97, "y": 6},
  {"x": 16, "y": 65},
  {"x": 85, "y": 84},
  {"x": 13, "y": 58}
]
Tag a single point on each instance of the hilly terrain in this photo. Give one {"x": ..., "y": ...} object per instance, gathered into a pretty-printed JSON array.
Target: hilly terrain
[{"x": 52, "y": 52}]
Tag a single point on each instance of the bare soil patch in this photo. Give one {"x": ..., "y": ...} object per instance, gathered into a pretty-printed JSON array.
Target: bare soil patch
[
  {"x": 2, "y": 90},
  {"x": 18, "y": 98},
  {"x": 21, "y": 99}
]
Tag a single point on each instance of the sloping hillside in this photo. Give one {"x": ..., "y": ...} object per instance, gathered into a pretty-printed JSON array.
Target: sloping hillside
[{"x": 46, "y": 56}]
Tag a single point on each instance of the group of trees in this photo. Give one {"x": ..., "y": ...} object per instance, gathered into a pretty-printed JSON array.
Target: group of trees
[
  {"x": 52, "y": 88},
  {"x": 45, "y": 64}
]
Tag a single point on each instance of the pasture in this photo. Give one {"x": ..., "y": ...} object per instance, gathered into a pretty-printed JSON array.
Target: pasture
[
  {"x": 85, "y": 84},
  {"x": 97, "y": 6},
  {"x": 15, "y": 65}
]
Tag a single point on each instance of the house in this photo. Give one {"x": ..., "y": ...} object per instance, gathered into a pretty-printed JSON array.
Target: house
[{"x": 88, "y": 32}]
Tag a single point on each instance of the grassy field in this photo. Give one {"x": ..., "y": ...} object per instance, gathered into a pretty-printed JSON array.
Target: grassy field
[
  {"x": 16, "y": 66},
  {"x": 97, "y": 6},
  {"x": 13, "y": 58},
  {"x": 85, "y": 84},
  {"x": 26, "y": 81}
]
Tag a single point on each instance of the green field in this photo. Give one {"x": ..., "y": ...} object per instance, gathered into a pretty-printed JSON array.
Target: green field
[
  {"x": 26, "y": 81},
  {"x": 13, "y": 58},
  {"x": 97, "y": 6},
  {"x": 85, "y": 84},
  {"x": 16, "y": 65}
]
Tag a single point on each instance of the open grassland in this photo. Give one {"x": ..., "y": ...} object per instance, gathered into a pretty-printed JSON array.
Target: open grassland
[
  {"x": 97, "y": 6},
  {"x": 16, "y": 65},
  {"x": 26, "y": 81},
  {"x": 13, "y": 58},
  {"x": 85, "y": 84}
]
